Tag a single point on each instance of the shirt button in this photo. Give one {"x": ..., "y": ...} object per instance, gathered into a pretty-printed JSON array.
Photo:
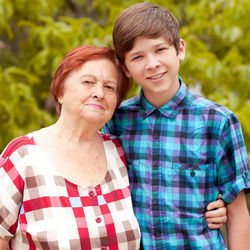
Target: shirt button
[
  {"x": 91, "y": 193},
  {"x": 155, "y": 201},
  {"x": 192, "y": 174},
  {"x": 157, "y": 232},
  {"x": 98, "y": 220},
  {"x": 155, "y": 166},
  {"x": 246, "y": 174},
  {"x": 156, "y": 135},
  {"x": 103, "y": 248}
]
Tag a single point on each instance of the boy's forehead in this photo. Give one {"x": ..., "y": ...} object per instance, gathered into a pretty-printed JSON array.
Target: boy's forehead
[{"x": 149, "y": 41}]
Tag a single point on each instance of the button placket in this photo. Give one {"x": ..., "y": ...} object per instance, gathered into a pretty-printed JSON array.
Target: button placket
[{"x": 156, "y": 135}]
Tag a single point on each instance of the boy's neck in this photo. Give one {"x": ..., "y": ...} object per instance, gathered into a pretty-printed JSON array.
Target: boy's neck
[{"x": 158, "y": 100}]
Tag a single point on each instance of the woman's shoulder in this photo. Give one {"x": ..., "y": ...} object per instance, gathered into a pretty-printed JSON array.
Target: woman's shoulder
[
  {"x": 17, "y": 144},
  {"x": 111, "y": 138},
  {"x": 116, "y": 144}
]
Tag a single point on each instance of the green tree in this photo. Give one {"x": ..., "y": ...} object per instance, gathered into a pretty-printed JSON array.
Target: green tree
[{"x": 33, "y": 40}]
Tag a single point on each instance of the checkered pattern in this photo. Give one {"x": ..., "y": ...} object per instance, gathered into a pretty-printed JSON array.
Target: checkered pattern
[
  {"x": 179, "y": 157},
  {"x": 43, "y": 210}
]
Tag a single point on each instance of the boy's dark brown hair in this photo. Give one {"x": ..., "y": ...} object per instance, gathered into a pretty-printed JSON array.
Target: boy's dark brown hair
[{"x": 144, "y": 19}]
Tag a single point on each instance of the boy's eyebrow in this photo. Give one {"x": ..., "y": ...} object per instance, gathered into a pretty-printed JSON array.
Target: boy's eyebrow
[
  {"x": 140, "y": 51},
  {"x": 161, "y": 44},
  {"x": 134, "y": 53}
]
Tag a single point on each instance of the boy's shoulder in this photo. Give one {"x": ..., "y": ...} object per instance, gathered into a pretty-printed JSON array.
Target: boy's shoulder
[
  {"x": 131, "y": 101},
  {"x": 129, "y": 105},
  {"x": 193, "y": 103},
  {"x": 197, "y": 102}
]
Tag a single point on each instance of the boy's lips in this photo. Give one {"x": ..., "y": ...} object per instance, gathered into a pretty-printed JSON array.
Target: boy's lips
[{"x": 156, "y": 76}]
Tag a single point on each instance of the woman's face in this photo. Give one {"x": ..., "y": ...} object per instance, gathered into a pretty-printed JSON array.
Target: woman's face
[{"x": 90, "y": 92}]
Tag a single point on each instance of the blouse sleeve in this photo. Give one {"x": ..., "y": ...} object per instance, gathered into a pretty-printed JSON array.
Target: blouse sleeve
[
  {"x": 11, "y": 191},
  {"x": 232, "y": 163}
]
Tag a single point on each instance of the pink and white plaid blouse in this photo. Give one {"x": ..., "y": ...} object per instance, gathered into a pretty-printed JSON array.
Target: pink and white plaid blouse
[{"x": 40, "y": 209}]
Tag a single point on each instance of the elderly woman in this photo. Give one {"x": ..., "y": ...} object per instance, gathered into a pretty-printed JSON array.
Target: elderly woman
[{"x": 66, "y": 186}]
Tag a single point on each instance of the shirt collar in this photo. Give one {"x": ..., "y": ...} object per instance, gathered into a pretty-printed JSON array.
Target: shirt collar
[{"x": 171, "y": 108}]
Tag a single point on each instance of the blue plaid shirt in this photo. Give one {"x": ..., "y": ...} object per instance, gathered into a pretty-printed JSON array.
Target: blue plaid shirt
[{"x": 179, "y": 158}]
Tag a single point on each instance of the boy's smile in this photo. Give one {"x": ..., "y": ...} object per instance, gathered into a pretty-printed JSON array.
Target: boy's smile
[
  {"x": 154, "y": 65},
  {"x": 157, "y": 76}
]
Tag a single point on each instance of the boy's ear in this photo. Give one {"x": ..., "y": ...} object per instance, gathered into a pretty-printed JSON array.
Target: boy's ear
[
  {"x": 182, "y": 50},
  {"x": 126, "y": 71}
]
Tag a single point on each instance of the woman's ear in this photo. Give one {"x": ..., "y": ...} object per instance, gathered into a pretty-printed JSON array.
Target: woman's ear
[{"x": 60, "y": 97}]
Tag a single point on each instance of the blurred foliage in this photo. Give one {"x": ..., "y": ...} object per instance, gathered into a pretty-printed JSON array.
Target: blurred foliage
[{"x": 35, "y": 37}]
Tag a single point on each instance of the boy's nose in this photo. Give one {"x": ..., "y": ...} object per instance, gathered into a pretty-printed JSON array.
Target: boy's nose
[{"x": 152, "y": 62}]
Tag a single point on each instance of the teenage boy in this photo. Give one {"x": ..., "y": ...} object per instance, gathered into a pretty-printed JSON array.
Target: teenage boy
[{"x": 181, "y": 149}]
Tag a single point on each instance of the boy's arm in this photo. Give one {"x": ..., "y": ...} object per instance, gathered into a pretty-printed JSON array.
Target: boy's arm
[
  {"x": 218, "y": 217},
  {"x": 3, "y": 244},
  {"x": 238, "y": 224}
]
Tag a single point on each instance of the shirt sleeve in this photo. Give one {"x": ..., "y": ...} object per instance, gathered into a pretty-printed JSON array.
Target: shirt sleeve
[
  {"x": 232, "y": 163},
  {"x": 10, "y": 193},
  {"x": 109, "y": 127}
]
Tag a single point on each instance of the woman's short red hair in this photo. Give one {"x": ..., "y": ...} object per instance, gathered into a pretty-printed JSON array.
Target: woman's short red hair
[{"x": 75, "y": 59}]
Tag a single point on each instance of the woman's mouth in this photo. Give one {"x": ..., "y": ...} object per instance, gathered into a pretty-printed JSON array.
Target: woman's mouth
[{"x": 96, "y": 106}]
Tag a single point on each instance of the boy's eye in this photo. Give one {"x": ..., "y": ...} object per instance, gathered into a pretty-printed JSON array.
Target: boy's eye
[
  {"x": 160, "y": 49},
  {"x": 136, "y": 58}
]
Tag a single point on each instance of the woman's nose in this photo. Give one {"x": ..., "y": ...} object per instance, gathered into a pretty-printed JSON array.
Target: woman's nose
[{"x": 97, "y": 91}]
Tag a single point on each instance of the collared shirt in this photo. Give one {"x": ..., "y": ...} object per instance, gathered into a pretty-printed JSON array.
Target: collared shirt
[
  {"x": 179, "y": 158},
  {"x": 40, "y": 209}
]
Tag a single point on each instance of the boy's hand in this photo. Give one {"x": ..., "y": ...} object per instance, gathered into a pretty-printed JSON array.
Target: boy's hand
[{"x": 217, "y": 217}]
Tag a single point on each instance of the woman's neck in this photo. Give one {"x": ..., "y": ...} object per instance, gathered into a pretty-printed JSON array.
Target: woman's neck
[{"x": 74, "y": 133}]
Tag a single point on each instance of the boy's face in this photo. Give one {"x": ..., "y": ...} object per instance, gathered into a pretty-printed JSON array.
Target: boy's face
[{"x": 154, "y": 65}]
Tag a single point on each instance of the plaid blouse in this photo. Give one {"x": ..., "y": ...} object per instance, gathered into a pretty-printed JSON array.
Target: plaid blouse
[
  {"x": 179, "y": 157},
  {"x": 40, "y": 209}
]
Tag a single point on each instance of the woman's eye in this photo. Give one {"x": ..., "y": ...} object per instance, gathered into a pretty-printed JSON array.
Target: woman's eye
[
  {"x": 109, "y": 87},
  {"x": 88, "y": 82}
]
